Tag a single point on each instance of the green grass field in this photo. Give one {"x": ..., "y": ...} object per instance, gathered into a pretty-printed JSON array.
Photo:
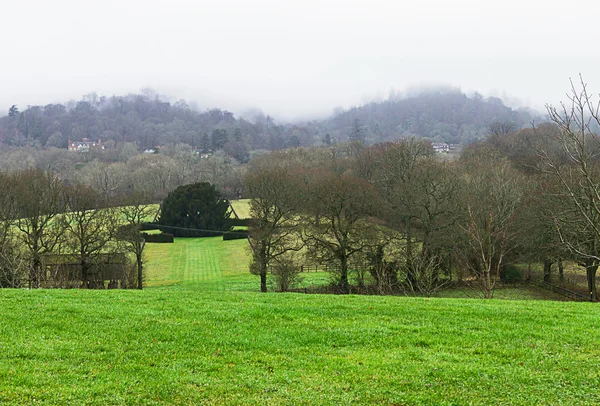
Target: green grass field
[{"x": 200, "y": 333}]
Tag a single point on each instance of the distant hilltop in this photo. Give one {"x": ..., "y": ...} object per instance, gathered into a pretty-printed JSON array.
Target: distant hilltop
[{"x": 444, "y": 116}]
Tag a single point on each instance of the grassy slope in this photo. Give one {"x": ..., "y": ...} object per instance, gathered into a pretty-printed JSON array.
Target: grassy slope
[
  {"x": 241, "y": 207},
  {"x": 201, "y": 335}
]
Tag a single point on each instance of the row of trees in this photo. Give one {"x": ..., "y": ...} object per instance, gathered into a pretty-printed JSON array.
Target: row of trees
[
  {"x": 114, "y": 172},
  {"x": 40, "y": 216},
  {"x": 397, "y": 217},
  {"x": 392, "y": 210}
]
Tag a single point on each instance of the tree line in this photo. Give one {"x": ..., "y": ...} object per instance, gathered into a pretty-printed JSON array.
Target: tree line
[
  {"x": 395, "y": 217},
  {"x": 120, "y": 171}
]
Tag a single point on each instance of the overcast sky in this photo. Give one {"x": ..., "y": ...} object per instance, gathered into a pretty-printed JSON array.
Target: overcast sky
[{"x": 294, "y": 58}]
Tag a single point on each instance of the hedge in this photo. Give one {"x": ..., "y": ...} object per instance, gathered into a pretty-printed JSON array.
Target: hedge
[
  {"x": 235, "y": 235},
  {"x": 162, "y": 237}
]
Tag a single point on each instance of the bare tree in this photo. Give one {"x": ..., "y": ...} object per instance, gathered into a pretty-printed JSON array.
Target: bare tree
[
  {"x": 578, "y": 174},
  {"x": 91, "y": 227},
  {"x": 135, "y": 209},
  {"x": 337, "y": 210},
  {"x": 420, "y": 193},
  {"x": 12, "y": 261},
  {"x": 499, "y": 128},
  {"x": 273, "y": 231},
  {"x": 39, "y": 199},
  {"x": 492, "y": 196}
]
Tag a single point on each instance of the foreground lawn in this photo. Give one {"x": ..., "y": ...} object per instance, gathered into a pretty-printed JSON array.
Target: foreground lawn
[
  {"x": 165, "y": 346},
  {"x": 202, "y": 334}
]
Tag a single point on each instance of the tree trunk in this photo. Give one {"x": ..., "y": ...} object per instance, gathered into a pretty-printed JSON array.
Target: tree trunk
[
  {"x": 547, "y": 270},
  {"x": 487, "y": 283},
  {"x": 84, "y": 274},
  {"x": 410, "y": 270},
  {"x": 590, "y": 269},
  {"x": 263, "y": 281},
  {"x": 561, "y": 271},
  {"x": 262, "y": 264},
  {"x": 344, "y": 285},
  {"x": 139, "y": 270}
]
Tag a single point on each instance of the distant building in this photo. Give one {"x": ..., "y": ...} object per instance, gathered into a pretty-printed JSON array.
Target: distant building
[
  {"x": 440, "y": 147},
  {"x": 84, "y": 145}
]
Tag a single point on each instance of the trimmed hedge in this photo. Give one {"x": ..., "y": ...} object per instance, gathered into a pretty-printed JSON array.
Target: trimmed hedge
[
  {"x": 235, "y": 235},
  {"x": 148, "y": 226},
  {"x": 161, "y": 238}
]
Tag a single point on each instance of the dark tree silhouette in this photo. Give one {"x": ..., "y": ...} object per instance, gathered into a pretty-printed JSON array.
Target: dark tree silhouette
[{"x": 196, "y": 206}]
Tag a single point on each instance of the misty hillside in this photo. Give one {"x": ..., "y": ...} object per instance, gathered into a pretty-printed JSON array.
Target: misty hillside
[
  {"x": 442, "y": 115},
  {"x": 149, "y": 121}
]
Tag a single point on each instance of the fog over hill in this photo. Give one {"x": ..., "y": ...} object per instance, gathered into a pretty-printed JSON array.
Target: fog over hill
[{"x": 149, "y": 119}]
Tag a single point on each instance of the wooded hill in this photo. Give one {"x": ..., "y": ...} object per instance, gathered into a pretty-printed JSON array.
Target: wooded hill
[
  {"x": 443, "y": 115},
  {"x": 149, "y": 120}
]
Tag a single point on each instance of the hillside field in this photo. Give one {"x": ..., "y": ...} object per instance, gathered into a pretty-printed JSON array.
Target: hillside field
[{"x": 201, "y": 333}]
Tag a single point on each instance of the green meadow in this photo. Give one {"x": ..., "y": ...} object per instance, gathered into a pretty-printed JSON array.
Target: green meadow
[{"x": 201, "y": 333}]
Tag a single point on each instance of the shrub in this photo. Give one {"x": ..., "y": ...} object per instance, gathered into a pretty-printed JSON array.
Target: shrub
[{"x": 285, "y": 275}]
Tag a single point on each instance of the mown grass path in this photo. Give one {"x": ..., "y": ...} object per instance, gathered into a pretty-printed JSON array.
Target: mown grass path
[{"x": 201, "y": 263}]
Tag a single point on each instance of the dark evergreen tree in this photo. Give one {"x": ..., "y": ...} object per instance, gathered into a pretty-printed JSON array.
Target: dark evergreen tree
[
  {"x": 357, "y": 133},
  {"x": 219, "y": 138},
  {"x": 195, "y": 206},
  {"x": 13, "y": 111}
]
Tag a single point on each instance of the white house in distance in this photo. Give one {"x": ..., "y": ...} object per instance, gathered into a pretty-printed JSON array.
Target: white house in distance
[
  {"x": 440, "y": 147},
  {"x": 84, "y": 145}
]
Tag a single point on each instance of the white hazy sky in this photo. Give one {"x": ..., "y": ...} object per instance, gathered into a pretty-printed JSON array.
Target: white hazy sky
[{"x": 294, "y": 58}]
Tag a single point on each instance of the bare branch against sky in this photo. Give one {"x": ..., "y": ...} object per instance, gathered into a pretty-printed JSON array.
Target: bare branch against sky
[{"x": 294, "y": 58}]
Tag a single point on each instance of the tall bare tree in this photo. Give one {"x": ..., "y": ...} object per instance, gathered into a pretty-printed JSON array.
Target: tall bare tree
[
  {"x": 90, "y": 227},
  {"x": 135, "y": 209},
  {"x": 577, "y": 171},
  {"x": 12, "y": 263},
  {"x": 40, "y": 202},
  {"x": 336, "y": 210},
  {"x": 492, "y": 196},
  {"x": 273, "y": 231}
]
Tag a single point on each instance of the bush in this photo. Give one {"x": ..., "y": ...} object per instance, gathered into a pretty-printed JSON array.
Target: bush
[
  {"x": 285, "y": 275},
  {"x": 160, "y": 238}
]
